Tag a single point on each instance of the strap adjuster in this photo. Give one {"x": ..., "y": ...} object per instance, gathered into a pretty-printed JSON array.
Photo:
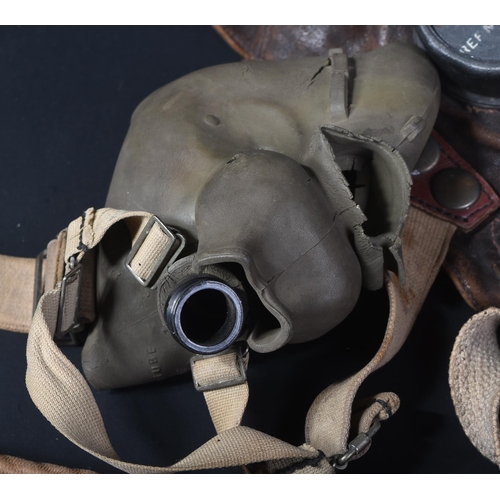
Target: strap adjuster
[
  {"x": 68, "y": 321},
  {"x": 175, "y": 243},
  {"x": 38, "y": 288},
  {"x": 221, "y": 384},
  {"x": 356, "y": 446},
  {"x": 66, "y": 333}
]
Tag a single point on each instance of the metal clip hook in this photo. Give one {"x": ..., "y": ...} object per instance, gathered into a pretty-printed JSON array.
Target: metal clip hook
[{"x": 356, "y": 446}]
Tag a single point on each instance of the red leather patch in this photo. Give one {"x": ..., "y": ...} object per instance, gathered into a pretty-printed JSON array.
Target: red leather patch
[{"x": 466, "y": 218}]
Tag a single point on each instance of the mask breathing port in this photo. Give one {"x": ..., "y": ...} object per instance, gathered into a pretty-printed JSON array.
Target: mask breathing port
[{"x": 204, "y": 314}]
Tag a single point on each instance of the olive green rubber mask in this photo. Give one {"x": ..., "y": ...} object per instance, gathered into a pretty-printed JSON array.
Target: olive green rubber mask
[{"x": 289, "y": 181}]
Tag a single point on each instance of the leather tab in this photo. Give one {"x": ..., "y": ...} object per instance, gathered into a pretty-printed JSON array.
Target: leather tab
[{"x": 465, "y": 219}]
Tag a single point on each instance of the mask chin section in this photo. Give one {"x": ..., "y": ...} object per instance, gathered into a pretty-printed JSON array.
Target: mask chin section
[{"x": 204, "y": 314}]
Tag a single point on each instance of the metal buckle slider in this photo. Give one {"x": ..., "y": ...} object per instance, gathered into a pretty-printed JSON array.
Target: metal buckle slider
[
  {"x": 174, "y": 247},
  {"x": 356, "y": 446},
  {"x": 68, "y": 322},
  {"x": 38, "y": 289},
  {"x": 238, "y": 380}
]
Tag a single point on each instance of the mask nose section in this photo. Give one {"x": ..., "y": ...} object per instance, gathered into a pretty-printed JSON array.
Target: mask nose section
[{"x": 269, "y": 214}]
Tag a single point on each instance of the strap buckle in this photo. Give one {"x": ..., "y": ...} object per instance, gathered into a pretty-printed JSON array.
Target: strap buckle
[
  {"x": 38, "y": 289},
  {"x": 175, "y": 245},
  {"x": 68, "y": 322},
  {"x": 237, "y": 380}
]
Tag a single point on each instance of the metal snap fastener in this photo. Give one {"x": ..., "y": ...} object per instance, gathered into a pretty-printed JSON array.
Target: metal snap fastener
[{"x": 455, "y": 188}]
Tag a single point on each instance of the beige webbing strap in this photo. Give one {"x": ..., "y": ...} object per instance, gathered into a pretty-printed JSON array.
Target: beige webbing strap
[
  {"x": 64, "y": 397},
  {"x": 16, "y": 293},
  {"x": 54, "y": 262},
  {"x": 61, "y": 393},
  {"x": 226, "y": 405},
  {"x": 18, "y": 274},
  {"x": 87, "y": 231},
  {"x": 14, "y": 465},
  {"x": 18, "y": 277},
  {"x": 425, "y": 243},
  {"x": 474, "y": 378},
  {"x": 155, "y": 242}
]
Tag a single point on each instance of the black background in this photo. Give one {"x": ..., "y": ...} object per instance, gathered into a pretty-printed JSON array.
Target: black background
[{"x": 66, "y": 97}]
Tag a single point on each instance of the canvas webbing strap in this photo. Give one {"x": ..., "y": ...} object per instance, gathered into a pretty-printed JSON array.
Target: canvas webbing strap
[
  {"x": 14, "y": 465},
  {"x": 61, "y": 393},
  {"x": 87, "y": 231},
  {"x": 19, "y": 275},
  {"x": 425, "y": 244},
  {"x": 474, "y": 378},
  {"x": 16, "y": 293},
  {"x": 227, "y": 404}
]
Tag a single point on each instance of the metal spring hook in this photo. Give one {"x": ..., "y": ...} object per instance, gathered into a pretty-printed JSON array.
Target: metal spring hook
[{"x": 356, "y": 446}]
